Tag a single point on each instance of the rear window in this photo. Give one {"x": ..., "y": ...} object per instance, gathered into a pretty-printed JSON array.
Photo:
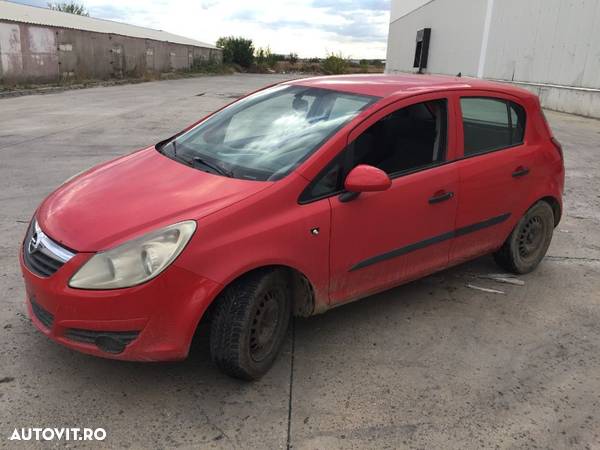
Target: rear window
[{"x": 491, "y": 124}]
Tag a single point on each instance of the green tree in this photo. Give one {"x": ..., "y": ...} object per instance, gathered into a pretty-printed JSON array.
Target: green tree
[
  {"x": 69, "y": 7},
  {"x": 237, "y": 50},
  {"x": 334, "y": 64},
  {"x": 293, "y": 58},
  {"x": 260, "y": 56},
  {"x": 265, "y": 58},
  {"x": 270, "y": 57}
]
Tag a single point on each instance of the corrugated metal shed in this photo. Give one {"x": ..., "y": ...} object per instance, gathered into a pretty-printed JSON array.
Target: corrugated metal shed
[{"x": 41, "y": 16}]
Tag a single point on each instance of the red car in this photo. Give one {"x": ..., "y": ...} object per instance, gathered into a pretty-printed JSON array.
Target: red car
[{"x": 293, "y": 200}]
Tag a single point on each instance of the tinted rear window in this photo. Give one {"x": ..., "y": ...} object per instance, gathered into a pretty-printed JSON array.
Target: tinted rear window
[{"x": 491, "y": 124}]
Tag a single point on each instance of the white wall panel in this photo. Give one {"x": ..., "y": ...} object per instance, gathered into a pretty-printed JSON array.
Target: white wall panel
[
  {"x": 545, "y": 41},
  {"x": 537, "y": 41},
  {"x": 456, "y": 30},
  {"x": 403, "y": 7}
]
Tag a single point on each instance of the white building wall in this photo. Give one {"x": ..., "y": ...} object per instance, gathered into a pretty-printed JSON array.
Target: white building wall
[
  {"x": 455, "y": 43},
  {"x": 404, "y": 7},
  {"x": 551, "y": 47},
  {"x": 545, "y": 41}
]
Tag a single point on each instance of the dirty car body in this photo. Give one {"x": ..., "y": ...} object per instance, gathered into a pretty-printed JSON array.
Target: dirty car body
[{"x": 293, "y": 200}]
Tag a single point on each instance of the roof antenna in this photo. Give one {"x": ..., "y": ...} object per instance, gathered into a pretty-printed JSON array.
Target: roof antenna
[{"x": 459, "y": 74}]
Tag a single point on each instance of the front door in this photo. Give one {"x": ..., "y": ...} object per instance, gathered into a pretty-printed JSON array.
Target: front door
[{"x": 381, "y": 239}]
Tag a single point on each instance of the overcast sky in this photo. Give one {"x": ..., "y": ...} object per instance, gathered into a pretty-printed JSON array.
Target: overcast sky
[{"x": 357, "y": 28}]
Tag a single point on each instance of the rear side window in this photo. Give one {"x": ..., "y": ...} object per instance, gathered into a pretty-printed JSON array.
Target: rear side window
[
  {"x": 491, "y": 124},
  {"x": 517, "y": 123}
]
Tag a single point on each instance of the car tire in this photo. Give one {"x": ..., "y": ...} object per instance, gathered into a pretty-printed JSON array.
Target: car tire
[
  {"x": 528, "y": 243},
  {"x": 249, "y": 324}
]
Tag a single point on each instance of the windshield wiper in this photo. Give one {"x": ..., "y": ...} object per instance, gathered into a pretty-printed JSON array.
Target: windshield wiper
[
  {"x": 220, "y": 170},
  {"x": 196, "y": 160}
]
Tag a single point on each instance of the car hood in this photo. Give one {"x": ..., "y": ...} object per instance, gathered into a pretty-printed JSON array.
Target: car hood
[{"x": 129, "y": 196}]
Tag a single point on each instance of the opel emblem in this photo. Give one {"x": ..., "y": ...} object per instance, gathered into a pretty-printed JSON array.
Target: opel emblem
[{"x": 34, "y": 243}]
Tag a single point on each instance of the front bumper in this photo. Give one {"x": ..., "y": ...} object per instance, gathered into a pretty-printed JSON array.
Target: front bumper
[{"x": 155, "y": 320}]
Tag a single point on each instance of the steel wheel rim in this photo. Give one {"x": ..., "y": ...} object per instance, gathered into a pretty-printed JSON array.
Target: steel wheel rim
[
  {"x": 531, "y": 237},
  {"x": 265, "y": 324}
]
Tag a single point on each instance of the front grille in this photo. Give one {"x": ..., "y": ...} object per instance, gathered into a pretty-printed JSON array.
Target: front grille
[
  {"x": 90, "y": 336},
  {"x": 45, "y": 258},
  {"x": 42, "y": 315},
  {"x": 40, "y": 263}
]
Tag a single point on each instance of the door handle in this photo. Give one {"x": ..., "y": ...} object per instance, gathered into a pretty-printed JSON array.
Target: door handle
[
  {"x": 441, "y": 197},
  {"x": 520, "y": 171}
]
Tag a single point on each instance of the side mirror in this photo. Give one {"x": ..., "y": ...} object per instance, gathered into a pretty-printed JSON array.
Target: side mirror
[{"x": 364, "y": 178}]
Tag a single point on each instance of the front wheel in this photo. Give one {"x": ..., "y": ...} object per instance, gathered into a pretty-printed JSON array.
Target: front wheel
[
  {"x": 527, "y": 244},
  {"x": 250, "y": 321}
]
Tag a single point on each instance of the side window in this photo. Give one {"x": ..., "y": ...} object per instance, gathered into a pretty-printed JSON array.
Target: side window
[
  {"x": 406, "y": 140},
  {"x": 328, "y": 182},
  {"x": 517, "y": 122},
  {"x": 491, "y": 124}
]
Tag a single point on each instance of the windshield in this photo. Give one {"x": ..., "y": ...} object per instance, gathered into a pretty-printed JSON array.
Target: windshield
[{"x": 268, "y": 134}]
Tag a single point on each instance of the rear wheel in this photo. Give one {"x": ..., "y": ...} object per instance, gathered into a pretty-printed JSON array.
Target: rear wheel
[
  {"x": 250, "y": 321},
  {"x": 527, "y": 244}
]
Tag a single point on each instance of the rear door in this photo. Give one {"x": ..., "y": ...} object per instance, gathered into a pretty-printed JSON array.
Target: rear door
[{"x": 494, "y": 169}]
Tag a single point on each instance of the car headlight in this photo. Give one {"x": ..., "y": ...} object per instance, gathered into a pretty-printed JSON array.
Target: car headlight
[{"x": 136, "y": 261}]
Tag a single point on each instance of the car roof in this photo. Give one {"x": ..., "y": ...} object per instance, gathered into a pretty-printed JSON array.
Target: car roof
[{"x": 404, "y": 85}]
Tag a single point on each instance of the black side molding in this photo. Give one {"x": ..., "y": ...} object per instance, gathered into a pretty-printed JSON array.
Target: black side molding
[{"x": 430, "y": 241}]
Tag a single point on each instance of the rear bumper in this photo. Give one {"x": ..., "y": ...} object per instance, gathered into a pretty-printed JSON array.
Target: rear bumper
[{"x": 156, "y": 321}]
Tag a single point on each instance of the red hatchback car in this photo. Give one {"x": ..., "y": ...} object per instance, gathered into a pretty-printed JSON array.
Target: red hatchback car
[{"x": 292, "y": 200}]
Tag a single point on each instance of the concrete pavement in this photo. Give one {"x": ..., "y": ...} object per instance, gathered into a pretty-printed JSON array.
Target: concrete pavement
[{"x": 432, "y": 364}]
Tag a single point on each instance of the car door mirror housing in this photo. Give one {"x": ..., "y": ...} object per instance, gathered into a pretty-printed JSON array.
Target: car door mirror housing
[{"x": 365, "y": 178}]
